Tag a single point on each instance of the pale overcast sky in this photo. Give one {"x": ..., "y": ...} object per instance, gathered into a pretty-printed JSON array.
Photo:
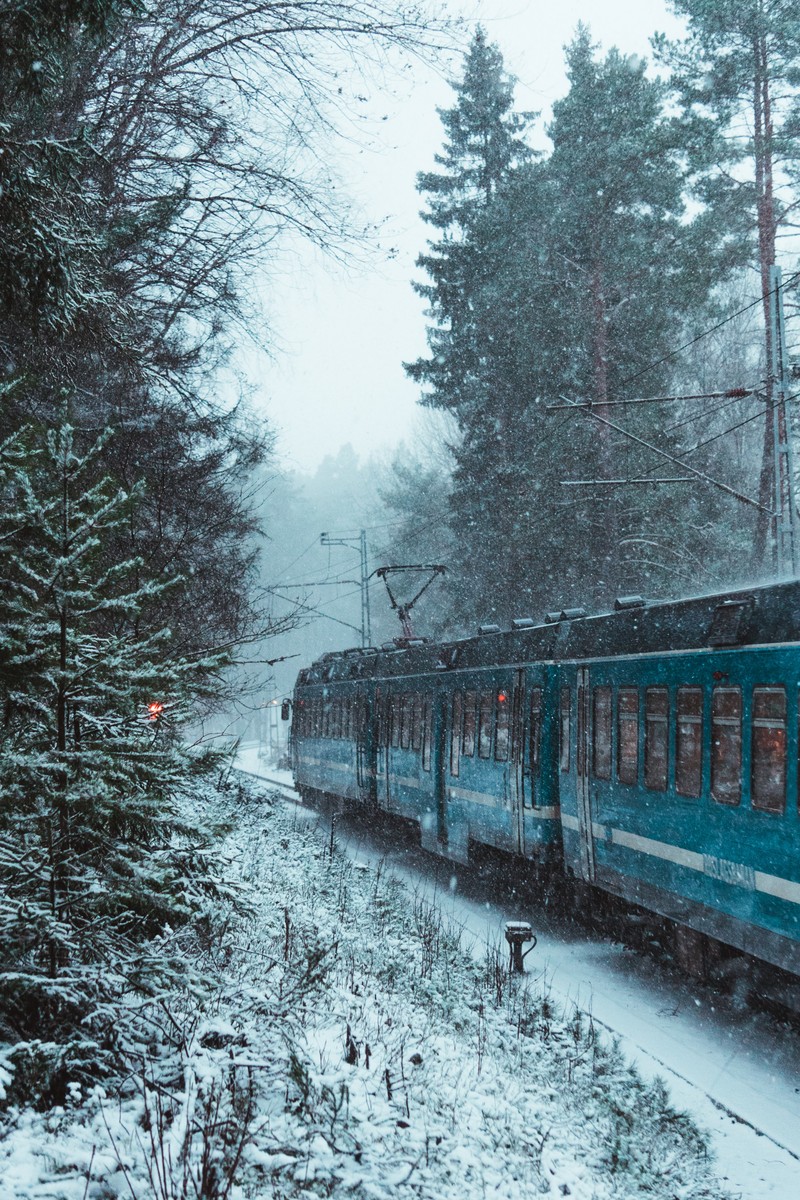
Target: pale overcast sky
[{"x": 338, "y": 375}]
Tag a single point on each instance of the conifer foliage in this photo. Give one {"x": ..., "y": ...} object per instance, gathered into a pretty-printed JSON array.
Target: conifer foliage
[
  {"x": 95, "y": 861},
  {"x": 484, "y": 144},
  {"x": 736, "y": 76},
  {"x": 565, "y": 279}
]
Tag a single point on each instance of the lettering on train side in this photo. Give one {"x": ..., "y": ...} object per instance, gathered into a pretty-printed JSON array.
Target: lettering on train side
[{"x": 729, "y": 872}]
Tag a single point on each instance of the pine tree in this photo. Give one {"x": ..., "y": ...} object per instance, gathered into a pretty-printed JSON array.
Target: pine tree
[
  {"x": 472, "y": 371},
  {"x": 629, "y": 269},
  {"x": 483, "y": 147},
  {"x": 592, "y": 272},
  {"x": 736, "y": 76},
  {"x": 95, "y": 858}
]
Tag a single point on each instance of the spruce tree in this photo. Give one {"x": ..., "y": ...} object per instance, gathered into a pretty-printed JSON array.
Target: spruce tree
[
  {"x": 471, "y": 369},
  {"x": 483, "y": 147},
  {"x": 628, "y": 269},
  {"x": 592, "y": 272},
  {"x": 95, "y": 857}
]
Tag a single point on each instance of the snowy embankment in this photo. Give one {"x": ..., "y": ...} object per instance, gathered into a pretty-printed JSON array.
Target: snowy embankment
[{"x": 355, "y": 1045}]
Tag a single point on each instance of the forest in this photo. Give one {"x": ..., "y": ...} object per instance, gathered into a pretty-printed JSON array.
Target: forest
[
  {"x": 625, "y": 267},
  {"x": 597, "y": 289}
]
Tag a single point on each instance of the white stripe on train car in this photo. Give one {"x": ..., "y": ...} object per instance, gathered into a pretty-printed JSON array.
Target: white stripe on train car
[
  {"x": 656, "y": 849},
  {"x": 737, "y": 874},
  {"x": 485, "y": 798},
  {"x": 773, "y": 885}
]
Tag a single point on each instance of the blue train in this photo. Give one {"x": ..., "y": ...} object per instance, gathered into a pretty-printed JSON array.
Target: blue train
[{"x": 649, "y": 753}]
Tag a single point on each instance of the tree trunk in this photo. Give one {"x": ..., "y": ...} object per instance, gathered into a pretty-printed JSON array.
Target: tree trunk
[
  {"x": 61, "y": 853},
  {"x": 764, "y": 549},
  {"x": 599, "y": 399}
]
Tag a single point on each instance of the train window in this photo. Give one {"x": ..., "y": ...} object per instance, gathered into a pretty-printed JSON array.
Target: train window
[
  {"x": 405, "y": 721},
  {"x": 726, "y": 744},
  {"x": 468, "y": 738},
  {"x": 501, "y": 725},
  {"x": 768, "y": 749},
  {"x": 456, "y": 732},
  {"x": 563, "y": 729},
  {"x": 427, "y": 734},
  {"x": 656, "y": 738},
  {"x": 394, "y": 714},
  {"x": 535, "y": 744},
  {"x": 628, "y": 735},
  {"x": 416, "y": 722},
  {"x": 689, "y": 742},
  {"x": 485, "y": 714},
  {"x": 601, "y": 740}
]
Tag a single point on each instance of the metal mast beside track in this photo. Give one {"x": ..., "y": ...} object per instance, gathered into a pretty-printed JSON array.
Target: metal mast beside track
[
  {"x": 783, "y": 510},
  {"x": 785, "y": 518},
  {"x": 359, "y": 544}
]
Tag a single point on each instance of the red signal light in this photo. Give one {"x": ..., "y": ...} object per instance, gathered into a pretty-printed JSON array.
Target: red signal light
[
  {"x": 501, "y": 697},
  {"x": 155, "y": 708}
]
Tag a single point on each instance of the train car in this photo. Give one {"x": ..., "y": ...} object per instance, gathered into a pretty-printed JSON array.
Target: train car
[{"x": 649, "y": 754}]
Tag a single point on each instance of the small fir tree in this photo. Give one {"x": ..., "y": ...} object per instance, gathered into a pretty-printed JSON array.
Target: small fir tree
[{"x": 95, "y": 857}]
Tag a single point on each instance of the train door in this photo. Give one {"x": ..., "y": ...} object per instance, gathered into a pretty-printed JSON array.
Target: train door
[
  {"x": 439, "y": 711},
  {"x": 367, "y": 723},
  {"x": 582, "y": 768},
  {"x": 383, "y": 718},
  {"x": 518, "y": 773}
]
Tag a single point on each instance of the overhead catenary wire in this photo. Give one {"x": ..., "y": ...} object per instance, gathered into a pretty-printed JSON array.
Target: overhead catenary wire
[
  {"x": 311, "y": 609},
  {"x": 740, "y": 496},
  {"x": 302, "y": 554},
  {"x": 706, "y": 412},
  {"x": 724, "y": 433},
  {"x": 732, "y": 394},
  {"x": 705, "y": 333}
]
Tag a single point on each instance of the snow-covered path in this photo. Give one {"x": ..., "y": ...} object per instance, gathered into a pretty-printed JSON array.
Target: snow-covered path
[{"x": 736, "y": 1072}]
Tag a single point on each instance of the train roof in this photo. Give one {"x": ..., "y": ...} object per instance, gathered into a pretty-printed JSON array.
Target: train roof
[{"x": 759, "y": 615}]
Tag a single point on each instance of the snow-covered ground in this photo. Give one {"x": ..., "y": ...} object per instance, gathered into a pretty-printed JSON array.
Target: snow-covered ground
[
  {"x": 354, "y": 1041},
  {"x": 736, "y": 1072}
]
